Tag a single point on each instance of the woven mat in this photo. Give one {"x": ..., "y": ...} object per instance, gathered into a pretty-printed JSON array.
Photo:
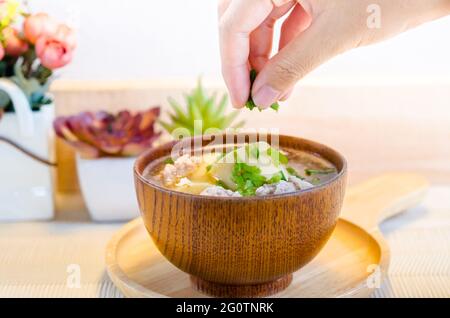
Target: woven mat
[{"x": 40, "y": 259}]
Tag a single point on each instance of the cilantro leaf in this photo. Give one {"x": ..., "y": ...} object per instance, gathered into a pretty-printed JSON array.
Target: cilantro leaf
[
  {"x": 312, "y": 172},
  {"x": 291, "y": 171},
  {"x": 221, "y": 184},
  {"x": 294, "y": 172},
  {"x": 277, "y": 178},
  {"x": 253, "y": 150},
  {"x": 247, "y": 178},
  {"x": 277, "y": 157}
]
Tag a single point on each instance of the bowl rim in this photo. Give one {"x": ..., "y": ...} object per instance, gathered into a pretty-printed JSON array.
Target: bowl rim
[{"x": 342, "y": 173}]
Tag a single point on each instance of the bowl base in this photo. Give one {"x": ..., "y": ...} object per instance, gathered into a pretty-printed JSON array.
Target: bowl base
[{"x": 241, "y": 291}]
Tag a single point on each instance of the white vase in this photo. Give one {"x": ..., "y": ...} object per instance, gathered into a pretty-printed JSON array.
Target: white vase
[
  {"x": 26, "y": 191},
  {"x": 107, "y": 185}
]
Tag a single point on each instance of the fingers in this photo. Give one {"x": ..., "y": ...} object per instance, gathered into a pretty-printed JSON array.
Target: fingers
[
  {"x": 298, "y": 21},
  {"x": 261, "y": 39},
  {"x": 286, "y": 95},
  {"x": 305, "y": 52},
  {"x": 279, "y": 3},
  {"x": 240, "y": 18},
  {"x": 223, "y": 6}
]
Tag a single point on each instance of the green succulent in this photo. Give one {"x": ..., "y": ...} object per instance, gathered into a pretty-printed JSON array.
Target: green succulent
[{"x": 200, "y": 107}]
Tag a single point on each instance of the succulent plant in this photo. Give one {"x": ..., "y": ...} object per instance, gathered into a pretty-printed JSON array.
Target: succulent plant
[
  {"x": 103, "y": 134},
  {"x": 200, "y": 107}
]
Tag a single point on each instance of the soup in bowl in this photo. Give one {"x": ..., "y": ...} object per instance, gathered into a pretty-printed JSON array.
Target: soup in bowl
[{"x": 242, "y": 215}]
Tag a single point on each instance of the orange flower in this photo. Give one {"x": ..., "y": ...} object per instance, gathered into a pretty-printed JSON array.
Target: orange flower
[
  {"x": 14, "y": 45},
  {"x": 38, "y": 25}
]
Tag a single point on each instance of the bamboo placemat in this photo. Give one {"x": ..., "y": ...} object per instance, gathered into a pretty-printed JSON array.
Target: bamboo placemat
[{"x": 41, "y": 259}]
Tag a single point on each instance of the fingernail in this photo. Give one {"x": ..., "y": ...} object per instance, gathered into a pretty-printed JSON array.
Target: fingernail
[
  {"x": 286, "y": 95},
  {"x": 265, "y": 97},
  {"x": 236, "y": 103}
]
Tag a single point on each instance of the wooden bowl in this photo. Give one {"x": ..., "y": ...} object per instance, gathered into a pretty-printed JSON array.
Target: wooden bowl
[{"x": 241, "y": 247}]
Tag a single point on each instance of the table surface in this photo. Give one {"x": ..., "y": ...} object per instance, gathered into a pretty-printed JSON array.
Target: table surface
[{"x": 41, "y": 259}]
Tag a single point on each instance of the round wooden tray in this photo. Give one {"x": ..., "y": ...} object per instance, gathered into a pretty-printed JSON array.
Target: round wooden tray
[{"x": 352, "y": 264}]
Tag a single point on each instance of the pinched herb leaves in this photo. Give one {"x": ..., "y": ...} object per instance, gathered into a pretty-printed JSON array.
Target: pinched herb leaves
[
  {"x": 169, "y": 161},
  {"x": 250, "y": 103}
]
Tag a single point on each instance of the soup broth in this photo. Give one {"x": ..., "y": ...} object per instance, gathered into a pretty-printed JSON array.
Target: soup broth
[{"x": 283, "y": 171}]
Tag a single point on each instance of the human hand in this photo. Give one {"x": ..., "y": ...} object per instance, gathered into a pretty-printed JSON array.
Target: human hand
[{"x": 314, "y": 31}]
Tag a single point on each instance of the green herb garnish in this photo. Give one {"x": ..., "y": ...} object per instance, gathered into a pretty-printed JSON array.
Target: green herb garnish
[
  {"x": 253, "y": 151},
  {"x": 277, "y": 157},
  {"x": 247, "y": 178},
  {"x": 312, "y": 172},
  {"x": 277, "y": 178},
  {"x": 293, "y": 172},
  {"x": 220, "y": 183},
  {"x": 250, "y": 103}
]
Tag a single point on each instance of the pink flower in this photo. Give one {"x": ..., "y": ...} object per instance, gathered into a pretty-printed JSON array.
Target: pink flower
[
  {"x": 15, "y": 46},
  {"x": 53, "y": 52},
  {"x": 2, "y": 52},
  {"x": 38, "y": 25},
  {"x": 64, "y": 33}
]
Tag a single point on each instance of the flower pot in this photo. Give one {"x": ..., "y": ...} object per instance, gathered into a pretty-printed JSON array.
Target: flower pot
[
  {"x": 107, "y": 186},
  {"x": 26, "y": 191}
]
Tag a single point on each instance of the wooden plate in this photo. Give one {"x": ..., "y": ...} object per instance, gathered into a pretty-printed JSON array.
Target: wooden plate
[{"x": 352, "y": 264}]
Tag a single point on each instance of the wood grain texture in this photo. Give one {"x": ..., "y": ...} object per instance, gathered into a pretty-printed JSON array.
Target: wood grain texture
[
  {"x": 241, "y": 241},
  {"x": 389, "y": 194},
  {"x": 241, "y": 291},
  {"x": 352, "y": 264}
]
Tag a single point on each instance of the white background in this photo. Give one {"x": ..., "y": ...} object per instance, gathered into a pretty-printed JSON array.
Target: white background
[{"x": 150, "y": 39}]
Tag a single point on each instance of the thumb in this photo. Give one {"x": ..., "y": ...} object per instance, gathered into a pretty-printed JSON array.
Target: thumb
[{"x": 320, "y": 42}]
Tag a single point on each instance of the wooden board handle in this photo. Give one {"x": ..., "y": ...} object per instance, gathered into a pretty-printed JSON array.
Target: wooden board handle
[{"x": 377, "y": 199}]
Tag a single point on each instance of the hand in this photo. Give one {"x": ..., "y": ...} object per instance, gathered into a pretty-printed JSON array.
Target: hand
[{"x": 314, "y": 31}]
